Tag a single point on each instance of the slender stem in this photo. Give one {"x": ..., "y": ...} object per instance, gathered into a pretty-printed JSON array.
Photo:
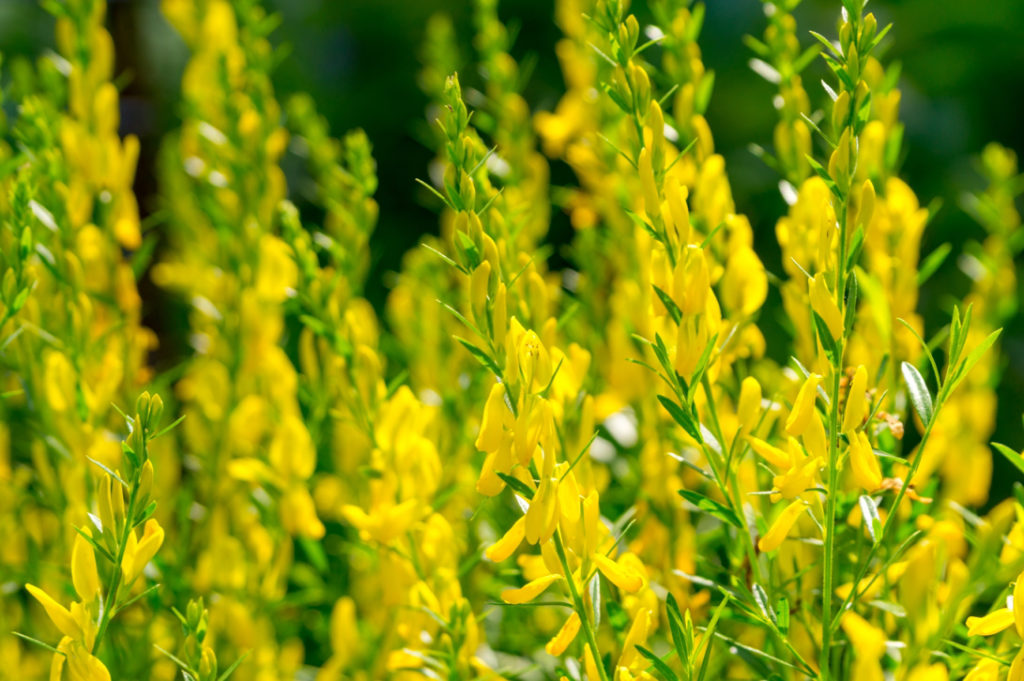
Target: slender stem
[
  {"x": 577, "y": 600},
  {"x": 830, "y": 527},
  {"x": 828, "y": 576},
  {"x": 918, "y": 457},
  {"x": 732, "y": 491},
  {"x": 110, "y": 602}
]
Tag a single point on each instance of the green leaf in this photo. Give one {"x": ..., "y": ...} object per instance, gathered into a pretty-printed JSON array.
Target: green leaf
[
  {"x": 761, "y": 598},
  {"x": 702, "y": 97},
  {"x": 315, "y": 551},
  {"x": 932, "y": 262},
  {"x": 176, "y": 660},
  {"x": 825, "y": 41},
  {"x": 669, "y": 304},
  {"x": 711, "y": 507},
  {"x": 856, "y": 245},
  {"x": 805, "y": 58},
  {"x": 480, "y": 355},
  {"x": 820, "y": 171},
  {"x": 919, "y": 395},
  {"x": 692, "y": 30},
  {"x": 518, "y": 485},
  {"x": 851, "y": 303},
  {"x": 709, "y": 634},
  {"x": 659, "y": 664},
  {"x": 924, "y": 346},
  {"x": 682, "y": 417},
  {"x": 37, "y": 642},
  {"x": 869, "y": 515},
  {"x": 109, "y": 472},
  {"x": 617, "y": 616},
  {"x": 234, "y": 665},
  {"x": 782, "y": 621},
  {"x": 675, "y": 624},
  {"x": 976, "y": 354},
  {"x": 1013, "y": 457},
  {"x": 827, "y": 341}
]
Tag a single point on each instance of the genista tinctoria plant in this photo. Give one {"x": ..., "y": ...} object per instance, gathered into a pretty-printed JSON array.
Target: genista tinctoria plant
[{"x": 597, "y": 473}]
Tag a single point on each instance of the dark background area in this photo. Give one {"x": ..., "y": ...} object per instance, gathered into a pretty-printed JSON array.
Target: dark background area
[{"x": 962, "y": 82}]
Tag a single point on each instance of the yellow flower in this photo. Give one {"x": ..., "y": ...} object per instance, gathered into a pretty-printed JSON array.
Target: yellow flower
[
  {"x": 749, "y": 404},
  {"x": 856, "y": 400},
  {"x": 557, "y": 645},
  {"x": 780, "y": 528},
  {"x": 864, "y": 467},
  {"x": 868, "y": 643},
  {"x": 824, "y": 303},
  {"x": 83, "y": 568},
  {"x": 621, "y": 576},
  {"x": 139, "y": 552},
  {"x": 506, "y": 546},
  {"x": 57, "y": 613},
  {"x": 803, "y": 407},
  {"x": 529, "y": 591}
]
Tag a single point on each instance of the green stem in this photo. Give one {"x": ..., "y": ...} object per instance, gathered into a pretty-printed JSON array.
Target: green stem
[
  {"x": 830, "y": 526},
  {"x": 915, "y": 464},
  {"x": 110, "y": 603},
  {"x": 577, "y": 600},
  {"x": 732, "y": 491}
]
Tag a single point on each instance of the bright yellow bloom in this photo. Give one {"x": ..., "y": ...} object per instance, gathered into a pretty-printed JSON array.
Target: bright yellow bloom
[
  {"x": 864, "y": 466},
  {"x": 749, "y": 404},
  {"x": 83, "y": 569},
  {"x": 803, "y": 407},
  {"x": 557, "y": 645},
  {"x": 856, "y": 400},
  {"x": 138, "y": 552},
  {"x": 530, "y": 590},
  {"x": 780, "y": 528},
  {"x": 57, "y": 613},
  {"x": 824, "y": 303},
  {"x": 619, "y": 575},
  {"x": 506, "y": 546}
]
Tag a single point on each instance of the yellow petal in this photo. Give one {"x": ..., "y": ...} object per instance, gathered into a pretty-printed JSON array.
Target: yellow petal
[
  {"x": 770, "y": 453},
  {"x": 542, "y": 518},
  {"x": 676, "y": 195},
  {"x": 803, "y": 408},
  {"x": 1018, "y": 605},
  {"x": 589, "y": 664},
  {"x": 1017, "y": 667},
  {"x": 990, "y": 624},
  {"x": 636, "y": 635},
  {"x": 143, "y": 551},
  {"x": 867, "y": 640},
  {"x": 652, "y": 203},
  {"x": 619, "y": 575},
  {"x": 489, "y": 438},
  {"x": 816, "y": 440},
  {"x": 856, "y": 400},
  {"x": 60, "y": 615},
  {"x": 506, "y": 546},
  {"x": 529, "y": 591},
  {"x": 749, "y": 403},
  {"x": 83, "y": 666},
  {"x": 557, "y": 645},
  {"x": 781, "y": 527},
  {"x": 985, "y": 670},
  {"x": 824, "y": 304},
  {"x": 864, "y": 463},
  {"x": 83, "y": 569}
]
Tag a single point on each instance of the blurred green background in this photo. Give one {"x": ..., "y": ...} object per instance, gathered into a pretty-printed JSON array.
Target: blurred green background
[{"x": 962, "y": 82}]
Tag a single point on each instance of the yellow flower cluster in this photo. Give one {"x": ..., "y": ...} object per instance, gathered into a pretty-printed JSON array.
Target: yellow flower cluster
[{"x": 608, "y": 471}]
